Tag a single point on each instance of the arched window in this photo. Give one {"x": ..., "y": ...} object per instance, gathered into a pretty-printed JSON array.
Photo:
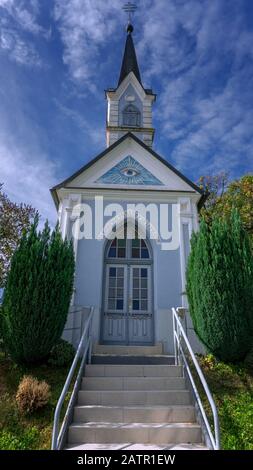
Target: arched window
[
  {"x": 131, "y": 116},
  {"x": 117, "y": 248},
  {"x": 131, "y": 249}
]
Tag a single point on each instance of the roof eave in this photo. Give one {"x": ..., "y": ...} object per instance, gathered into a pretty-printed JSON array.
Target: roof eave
[
  {"x": 91, "y": 162},
  {"x": 54, "y": 195}
]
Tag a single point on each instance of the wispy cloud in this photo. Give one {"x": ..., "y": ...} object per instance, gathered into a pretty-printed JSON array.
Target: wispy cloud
[
  {"x": 202, "y": 55},
  {"x": 85, "y": 26},
  {"x": 27, "y": 176},
  {"x": 197, "y": 52},
  {"x": 18, "y": 50},
  {"x": 95, "y": 134},
  {"x": 18, "y": 24},
  {"x": 24, "y": 13}
]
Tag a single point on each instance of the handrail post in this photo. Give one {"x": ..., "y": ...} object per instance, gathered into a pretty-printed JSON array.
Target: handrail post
[
  {"x": 174, "y": 338},
  {"x": 178, "y": 349},
  {"x": 179, "y": 337},
  {"x": 55, "y": 433},
  {"x": 90, "y": 342},
  {"x": 82, "y": 350}
]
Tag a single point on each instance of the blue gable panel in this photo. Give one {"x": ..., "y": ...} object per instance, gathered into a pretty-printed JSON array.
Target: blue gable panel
[{"x": 129, "y": 171}]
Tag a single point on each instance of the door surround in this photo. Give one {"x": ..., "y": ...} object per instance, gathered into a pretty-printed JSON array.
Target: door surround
[{"x": 131, "y": 320}]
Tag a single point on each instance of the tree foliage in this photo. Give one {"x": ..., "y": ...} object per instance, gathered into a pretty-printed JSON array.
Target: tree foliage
[
  {"x": 219, "y": 287},
  {"x": 14, "y": 219},
  {"x": 223, "y": 197},
  {"x": 37, "y": 295}
]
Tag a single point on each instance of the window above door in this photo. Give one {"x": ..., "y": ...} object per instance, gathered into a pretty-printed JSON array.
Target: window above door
[{"x": 136, "y": 249}]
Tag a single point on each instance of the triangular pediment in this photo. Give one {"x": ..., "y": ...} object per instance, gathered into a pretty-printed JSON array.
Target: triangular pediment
[
  {"x": 129, "y": 153},
  {"x": 130, "y": 172},
  {"x": 128, "y": 164}
]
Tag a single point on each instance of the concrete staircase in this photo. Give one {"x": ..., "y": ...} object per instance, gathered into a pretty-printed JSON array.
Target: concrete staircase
[{"x": 134, "y": 406}]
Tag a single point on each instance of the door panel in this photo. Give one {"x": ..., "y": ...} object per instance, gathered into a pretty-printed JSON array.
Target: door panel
[
  {"x": 140, "y": 320},
  {"x": 140, "y": 290},
  {"x": 115, "y": 300},
  {"x": 115, "y": 304},
  {"x": 114, "y": 329},
  {"x": 127, "y": 317}
]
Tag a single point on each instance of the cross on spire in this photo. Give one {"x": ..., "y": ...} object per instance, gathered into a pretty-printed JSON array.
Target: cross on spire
[
  {"x": 130, "y": 9},
  {"x": 129, "y": 63}
]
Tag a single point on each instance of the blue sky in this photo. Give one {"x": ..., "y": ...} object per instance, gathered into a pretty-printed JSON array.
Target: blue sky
[{"x": 58, "y": 56}]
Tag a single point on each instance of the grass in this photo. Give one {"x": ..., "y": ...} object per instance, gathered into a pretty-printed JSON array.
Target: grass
[
  {"x": 232, "y": 389},
  {"x": 27, "y": 432}
]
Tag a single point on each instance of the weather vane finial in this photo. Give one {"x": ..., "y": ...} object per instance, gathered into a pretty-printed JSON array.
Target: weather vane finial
[{"x": 130, "y": 9}]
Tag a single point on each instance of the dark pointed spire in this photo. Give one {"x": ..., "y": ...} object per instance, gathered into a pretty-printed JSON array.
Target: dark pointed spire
[{"x": 129, "y": 63}]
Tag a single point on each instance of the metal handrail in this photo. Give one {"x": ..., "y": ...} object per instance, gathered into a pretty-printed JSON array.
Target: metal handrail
[
  {"x": 82, "y": 350},
  {"x": 178, "y": 333}
]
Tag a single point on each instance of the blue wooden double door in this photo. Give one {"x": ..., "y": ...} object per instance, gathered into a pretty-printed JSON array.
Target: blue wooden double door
[{"x": 127, "y": 310}]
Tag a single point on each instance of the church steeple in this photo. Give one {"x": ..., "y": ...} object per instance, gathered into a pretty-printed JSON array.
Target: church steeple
[
  {"x": 129, "y": 62},
  {"x": 130, "y": 104}
]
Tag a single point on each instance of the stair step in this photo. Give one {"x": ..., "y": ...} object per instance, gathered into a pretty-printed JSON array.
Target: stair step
[
  {"x": 134, "y": 359},
  {"x": 93, "y": 432},
  {"x": 129, "y": 446},
  {"x": 124, "y": 370},
  {"x": 117, "y": 349},
  {"x": 137, "y": 414},
  {"x": 133, "y": 383},
  {"x": 125, "y": 398}
]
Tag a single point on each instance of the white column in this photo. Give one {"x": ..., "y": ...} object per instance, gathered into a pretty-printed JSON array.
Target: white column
[
  {"x": 186, "y": 218},
  {"x": 74, "y": 200},
  {"x": 63, "y": 217}
]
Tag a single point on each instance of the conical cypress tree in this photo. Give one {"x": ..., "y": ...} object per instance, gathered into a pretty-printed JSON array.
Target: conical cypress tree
[
  {"x": 220, "y": 288},
  {"x": 37, "y": 294}
]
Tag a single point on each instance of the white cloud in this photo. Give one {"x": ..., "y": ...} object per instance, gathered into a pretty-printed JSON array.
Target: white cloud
[
  {"x": 85, "y": 26},
  {"x": 25, "y": 168},
  {"x": 25, "y": 14},
  {"x": 161, "y": 48},
  {"x": 27, "y": 176},
  {"x": 19, "y": 50},
  {"x": 204, "y": 108},
  {"x": 219, "y": 133},
  {"x": 17, "y": 19}
]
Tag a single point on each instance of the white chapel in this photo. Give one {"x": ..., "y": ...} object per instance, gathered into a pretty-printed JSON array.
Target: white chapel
[{"x": 131, "y": 261}]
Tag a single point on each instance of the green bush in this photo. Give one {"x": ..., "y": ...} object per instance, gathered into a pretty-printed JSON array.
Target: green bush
[
  {"x": 27, "y": 441},
  {"x": 219, "y": 288},
  {"x": 37, "y": 294},
  {"x": 62, "y": 354}
]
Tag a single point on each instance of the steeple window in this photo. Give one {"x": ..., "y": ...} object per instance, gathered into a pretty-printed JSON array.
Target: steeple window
[{"x": 131, "y": 116}]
